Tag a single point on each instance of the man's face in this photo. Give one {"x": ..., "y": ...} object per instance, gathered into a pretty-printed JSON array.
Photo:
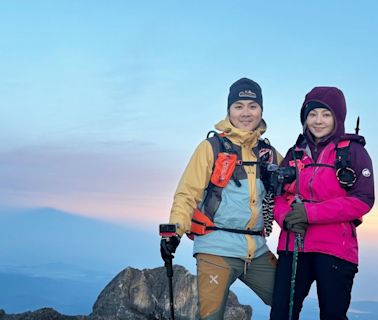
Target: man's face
[{"x": 245, "y": 114}]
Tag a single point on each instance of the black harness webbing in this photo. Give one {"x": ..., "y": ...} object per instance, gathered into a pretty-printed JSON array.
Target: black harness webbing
[
  {"x": 247, "y": 163},
  {"x": 213, "y": 228},
  {"x": 319, "y": 165},
  {"x": 250, "y": 232}
]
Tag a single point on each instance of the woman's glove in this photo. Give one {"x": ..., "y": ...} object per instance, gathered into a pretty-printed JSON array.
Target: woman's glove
[
  {"x": 300, "y": 227},
  {"x": 296, "y": 220}
]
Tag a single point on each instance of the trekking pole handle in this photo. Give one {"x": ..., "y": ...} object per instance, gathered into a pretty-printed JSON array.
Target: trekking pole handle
[{"x": 167, "y": 230}]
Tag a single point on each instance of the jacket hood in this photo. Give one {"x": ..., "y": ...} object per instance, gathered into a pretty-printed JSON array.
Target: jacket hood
[{"x": 334, "y": 100}]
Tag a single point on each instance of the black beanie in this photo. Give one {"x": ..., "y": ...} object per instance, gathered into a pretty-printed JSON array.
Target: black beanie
[
  {"x": 245, "y": 89},
  {"x": 311, "y": 106}
]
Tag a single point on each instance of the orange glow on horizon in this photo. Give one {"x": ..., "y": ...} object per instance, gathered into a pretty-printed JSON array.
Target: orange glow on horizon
[
  {"x": 147, "y": 210},
  {"x": 116, "y": 208},
  {"x": 368, "y": 231}
]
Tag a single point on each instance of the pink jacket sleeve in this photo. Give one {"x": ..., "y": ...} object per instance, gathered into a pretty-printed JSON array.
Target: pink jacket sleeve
[
  {"x": 336, "y": 210},
  {"x": 281, "y": 208}
]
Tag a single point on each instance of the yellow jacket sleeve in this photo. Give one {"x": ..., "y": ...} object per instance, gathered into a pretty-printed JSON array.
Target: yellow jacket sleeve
[
  {"x": 279, "y": 157},
  {"x": 191, "y": 187}
]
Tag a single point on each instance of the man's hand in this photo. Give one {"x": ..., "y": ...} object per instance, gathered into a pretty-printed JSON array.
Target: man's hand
[{"x": 168, "y": 247}]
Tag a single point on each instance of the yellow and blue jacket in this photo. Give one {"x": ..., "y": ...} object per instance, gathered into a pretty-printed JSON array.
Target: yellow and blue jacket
[{"x": 240, "y": 204}]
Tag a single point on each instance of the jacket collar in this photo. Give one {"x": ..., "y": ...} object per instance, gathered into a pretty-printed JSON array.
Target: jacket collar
[{"x": 238, "y": 136}]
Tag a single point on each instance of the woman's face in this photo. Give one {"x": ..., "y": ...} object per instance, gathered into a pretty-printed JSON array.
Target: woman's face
[
  {"x": 245, "y": 114},
  {"x": 320, "y": 122}
]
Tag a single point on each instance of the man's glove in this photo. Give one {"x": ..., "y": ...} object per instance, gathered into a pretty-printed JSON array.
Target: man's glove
[
  {"x": 168, "y": 246},
  {"x": 296, "y": 220}
]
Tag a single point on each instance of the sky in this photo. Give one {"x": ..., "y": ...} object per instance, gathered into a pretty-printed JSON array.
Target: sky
[{"x": 103, "y": 102}]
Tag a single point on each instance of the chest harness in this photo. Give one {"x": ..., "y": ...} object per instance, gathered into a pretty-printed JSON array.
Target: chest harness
[
  {"x": 345, "y": 173},
  {"x": 227, "y": 166}
]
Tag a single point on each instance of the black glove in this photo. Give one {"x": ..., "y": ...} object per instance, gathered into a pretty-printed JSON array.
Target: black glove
[
  {"x": 168, "y": 247},
  {"x": 298, "y": 214},
  {"x": 300, "y": 227}
]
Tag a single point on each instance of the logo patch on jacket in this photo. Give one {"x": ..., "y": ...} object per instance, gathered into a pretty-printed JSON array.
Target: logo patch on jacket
[{"x": 366, "y": 172}]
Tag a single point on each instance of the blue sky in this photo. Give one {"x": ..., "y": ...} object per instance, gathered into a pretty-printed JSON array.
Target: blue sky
[{"x": 103, "y": 102}]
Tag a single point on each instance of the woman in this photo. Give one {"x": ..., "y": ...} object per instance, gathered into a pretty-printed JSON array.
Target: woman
[
  {"x": 323, "y": 206},
  {"x": 222, "y": 189}
]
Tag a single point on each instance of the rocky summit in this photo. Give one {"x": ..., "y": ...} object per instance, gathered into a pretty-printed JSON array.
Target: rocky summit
[{"x": 142, "y": 295}]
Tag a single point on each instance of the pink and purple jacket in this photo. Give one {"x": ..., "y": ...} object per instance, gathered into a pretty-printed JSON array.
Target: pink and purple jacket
[{"x": 331, "y": 209}]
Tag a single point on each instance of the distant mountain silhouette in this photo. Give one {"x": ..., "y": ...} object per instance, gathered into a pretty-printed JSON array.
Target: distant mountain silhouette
[
  {"x": 44, "y": 248},
  {"x": 47, "y": 235},
  {"x": 19, "y": 293}
]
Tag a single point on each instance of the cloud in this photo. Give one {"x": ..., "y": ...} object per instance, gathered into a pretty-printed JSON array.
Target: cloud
[{"x": 124, "y": 185}]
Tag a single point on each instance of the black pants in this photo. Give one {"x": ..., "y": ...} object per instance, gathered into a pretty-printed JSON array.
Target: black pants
[{"x": 334, "y": 281}]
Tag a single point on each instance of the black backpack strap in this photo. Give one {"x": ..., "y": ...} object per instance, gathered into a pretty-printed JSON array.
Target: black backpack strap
[
  {"x": 219, "y": 138},
  {"x": 224, "y": 143},
  {"x": 298, "y": 154},
  {"x": 342, "y": 154},
  {"x": 344, "y": 171},
  {"x": 261, "y": 145},
  {"x": 264, "y": 161}
]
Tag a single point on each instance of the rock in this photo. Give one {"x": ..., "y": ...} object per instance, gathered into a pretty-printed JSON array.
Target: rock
[{"x": 144, "y": 295}]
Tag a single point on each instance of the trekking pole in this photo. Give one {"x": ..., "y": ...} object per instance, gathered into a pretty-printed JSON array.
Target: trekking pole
[
  {"x": 167, "y": 231},
  {"x": 298, "y": 244},
  {"x": 357, "y": 129},
  {"x": 169, "y": 268}
]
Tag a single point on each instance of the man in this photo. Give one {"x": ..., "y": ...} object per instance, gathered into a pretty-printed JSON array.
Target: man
[{"x": 219, "y": 200}]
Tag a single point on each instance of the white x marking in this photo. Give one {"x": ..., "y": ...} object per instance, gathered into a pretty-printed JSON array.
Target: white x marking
[{"x": 214, "y": 279}]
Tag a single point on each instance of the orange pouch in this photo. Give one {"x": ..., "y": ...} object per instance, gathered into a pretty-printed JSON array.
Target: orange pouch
[
  {"x": 199, "y": 223},
  {"x": 224, "y": 168}
]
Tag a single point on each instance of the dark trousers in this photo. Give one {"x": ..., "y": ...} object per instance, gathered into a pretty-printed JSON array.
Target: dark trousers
[{"x": 334, "y": 281}]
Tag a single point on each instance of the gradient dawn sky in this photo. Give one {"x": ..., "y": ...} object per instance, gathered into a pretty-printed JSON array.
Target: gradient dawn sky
[{"x": 103, "y": 102}]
